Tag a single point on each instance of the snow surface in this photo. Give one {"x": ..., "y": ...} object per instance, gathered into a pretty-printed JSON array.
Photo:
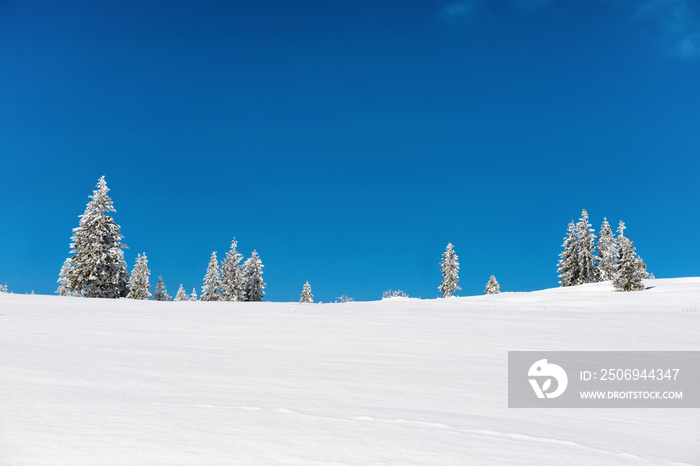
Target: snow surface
[{"x": 400, "y": 381}]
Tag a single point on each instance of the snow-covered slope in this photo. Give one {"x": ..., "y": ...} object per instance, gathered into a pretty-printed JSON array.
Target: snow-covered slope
[{"x": 401, "y": 381}]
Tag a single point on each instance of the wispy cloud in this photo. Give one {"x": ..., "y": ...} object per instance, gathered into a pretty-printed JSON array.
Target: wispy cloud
[
  {"x": 459, "y": 11},
  {"x": 689, "y": 47},
  {"x": 678, "y": 22}
]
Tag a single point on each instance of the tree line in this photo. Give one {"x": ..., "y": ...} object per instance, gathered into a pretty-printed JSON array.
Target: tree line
[{"x": 97, "y": 268}]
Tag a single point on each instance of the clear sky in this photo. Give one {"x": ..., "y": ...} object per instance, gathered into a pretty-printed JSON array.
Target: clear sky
[{"x": 348, "y": 142}]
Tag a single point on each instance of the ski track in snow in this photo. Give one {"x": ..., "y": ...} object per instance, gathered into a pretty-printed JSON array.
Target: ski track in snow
[{"x": 508, "y": 436}]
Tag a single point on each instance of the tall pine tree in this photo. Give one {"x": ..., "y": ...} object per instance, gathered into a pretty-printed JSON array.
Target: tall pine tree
[
  {"x": 568, "y": 259},
  {"x": 212, "y": 281},
  {"x": 606, "y": 259},
  {"x": 99, "y": 270},
  {"x": 631, "y": 270},
  {"x": 450, "y": 272},
  {"x": 585, "y": 238},
  {"x": 63, "y": 289},
  {"x": 139, "y": 283},
  {"x": 253, "y": 284},
  {"x": 232, "y": 275}
]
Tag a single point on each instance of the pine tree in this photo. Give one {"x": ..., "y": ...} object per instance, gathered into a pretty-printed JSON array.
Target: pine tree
[
  {"x": 232, "y": 275},
  {"x": 606, "y": 259},
  {"x": 181, "y": 294},
  {"x": 618, "y": 241},
  {"x": 211, "y": 290},
  {"x": 139, "y": 284},
  {"x": 450, "y": 272},
  {"x": 253, "y": 284},
  {"x": 99, "y": 270},
  {"x": 631, "y": 269},
  {"x": 568, "y": 259},
  {"x": 306, "y": 296},
  {"x": 492, "y": 287},
  {"x": 193, "y": 296},
  {"x": 63, "y": 289},
  {"x": 161, "y": 293},
  {"x": 585, "y": 238}
]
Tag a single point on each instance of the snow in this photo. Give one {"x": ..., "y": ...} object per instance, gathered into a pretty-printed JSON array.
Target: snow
[{"x": 397, "y": 381}]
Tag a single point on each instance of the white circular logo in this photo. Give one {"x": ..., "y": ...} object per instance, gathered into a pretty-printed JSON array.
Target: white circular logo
[{"x": 544, "y": 371}]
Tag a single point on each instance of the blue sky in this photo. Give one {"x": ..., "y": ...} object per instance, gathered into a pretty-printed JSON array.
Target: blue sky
[{"x": 348, "y": 142}]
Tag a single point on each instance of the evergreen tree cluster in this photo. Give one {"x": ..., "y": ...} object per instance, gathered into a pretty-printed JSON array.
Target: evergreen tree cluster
[
  {"x": 97, "y": 268},
  {"x": 615, "y": 259},
  {"x": 233, "y": 281}
]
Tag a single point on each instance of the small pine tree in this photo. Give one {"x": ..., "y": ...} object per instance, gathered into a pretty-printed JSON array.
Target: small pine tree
[
  {"x": 139, "y": 285},
  {"x": 631, "y": 269},
  {"x": 193, "y": 296},
  {"x": 450, "y": 272},
  {"x": 212, "y": 280},
  {"x": 181, "y": 294},
  {"x": 344, "y": 299},
  {"x": 99, "y": 270},
  {"x": 492, "y": 287},
  {"x": 306, "y": 296},
  {"x": 388, "y": 294},
  {"x": 232, "y": 275},
  {"x": 585, "y": 238},
  {"x": 253, "y": 284},
  {"x": 606, "y": 259},
  {"x": 568, "y": 265},
  {"x": 161, "y": 293},
  {"x": 63, "y": 289}
]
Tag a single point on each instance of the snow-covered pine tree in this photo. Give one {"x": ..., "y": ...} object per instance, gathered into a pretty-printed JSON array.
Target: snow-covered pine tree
[
  {"x": 606, "y": 259},
  {"x": 161, "y": 293},
  {"x": 492, "y": 287},
  {"x": 181, "y": 294},
  {"x": 232, "y": 275},
  {"x": 253, "y": 284},
  {"x": 63, "y": 289},
  {"x": 193, "y": 296},
  {"x": 211, "y": 290},
  {"x": 585, "y": 238},
  {"x": 568, "y": 265},
  {"x": 139, "y": 283},
  {"x": 99, "y": 270},
  {"x": 306, "y": 296},
  {"x": 631, "y": 270},
  {"x": 450, "y": 272},
  {"x": 618, "y": 241}
]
